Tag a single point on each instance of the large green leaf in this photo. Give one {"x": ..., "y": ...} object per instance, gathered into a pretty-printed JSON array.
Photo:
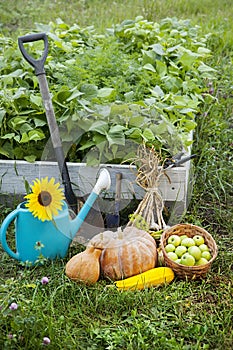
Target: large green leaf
[
  {"x": 116, "y": 136},
  {"x": 134, "y": 133},
  {"x": 203, "y": 68},
  {"x": 87, "y": 145},
  {"x": 24, "y": 138},
  {"x": 36, "y": 135},
  {"x": 158, "y": 49},
  {"x": 148, "y": 135},
  {"x": 99, "y": 126},
  {"x": 37, "y": 100},
  {"x": 84, "y": 124},
  {"x": 16, "y": 122},
  {"x": 157, "y": 91},
  {"x": 149, "y": 66},
  {"x": 149, "y": 57},
  {"x": 188, "y": 58},
  {"x": 4, "y": 152},
  {"x": 161, "y": 68},
  {"x": 8, "y": 136},
  {"x": 137, "y": 121},
  {"x": 89, "y": 90},
  {"x": 31, "y": 158},
  {"x": 106, "y": 92}
]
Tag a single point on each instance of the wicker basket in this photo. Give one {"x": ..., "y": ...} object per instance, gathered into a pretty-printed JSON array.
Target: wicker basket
[{"x": 188, "y": 272}]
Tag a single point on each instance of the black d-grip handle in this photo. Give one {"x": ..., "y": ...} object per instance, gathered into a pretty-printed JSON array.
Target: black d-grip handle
[{"x": 39, "y": 63}]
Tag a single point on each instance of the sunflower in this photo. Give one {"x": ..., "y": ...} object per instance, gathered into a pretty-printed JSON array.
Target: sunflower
[{"x": 45, "y": 200}]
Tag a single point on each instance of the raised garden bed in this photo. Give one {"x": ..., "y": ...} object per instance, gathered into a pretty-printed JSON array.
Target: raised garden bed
[{"x": 146, "y": 84}]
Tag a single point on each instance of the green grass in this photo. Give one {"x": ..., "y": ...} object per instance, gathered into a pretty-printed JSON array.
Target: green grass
[
  {"x": 17, "y": 15},
  {"x": 183, "y": 315},
  {"x": 191, "y": 315}
]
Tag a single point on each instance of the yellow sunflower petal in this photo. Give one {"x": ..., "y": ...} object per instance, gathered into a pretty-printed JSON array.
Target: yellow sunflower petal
[{"x": 46, "y": 198}]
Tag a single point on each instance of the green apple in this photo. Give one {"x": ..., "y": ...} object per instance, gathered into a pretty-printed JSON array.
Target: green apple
[
  {"x": 170, "y": 248},
  {"x": 180, "y": 250},
  {"x": 178, "y": 261},
  {"x": 206, "y": 254},
  {"x": 172, "y": 256},
  {"x": 204, "y": 248},
  {"x": 174, "y": 239},
  {"x": 187, "y": 260},
  {"x": 201, "y": 261},
  {"x": 183, "y": 237},
  {"x": 188, "y": 242},
  {"x": 195, "y": 252},
  {"x": 198, "y": 239}
]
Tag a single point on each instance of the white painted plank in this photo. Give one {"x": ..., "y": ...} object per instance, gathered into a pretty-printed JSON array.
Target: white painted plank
[{"x": 13, "y": 174}]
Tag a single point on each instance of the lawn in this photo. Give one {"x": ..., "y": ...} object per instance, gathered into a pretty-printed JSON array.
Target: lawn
[{"x": 185, "y": 315}]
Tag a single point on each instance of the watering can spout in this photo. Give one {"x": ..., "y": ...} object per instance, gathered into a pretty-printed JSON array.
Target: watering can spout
[{"x": 103, "y": 183}]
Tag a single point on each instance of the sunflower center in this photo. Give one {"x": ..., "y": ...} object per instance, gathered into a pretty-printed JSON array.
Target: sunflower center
[{"x": 44, "y": 198}]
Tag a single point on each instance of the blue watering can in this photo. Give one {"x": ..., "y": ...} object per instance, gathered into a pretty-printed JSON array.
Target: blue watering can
[{"x": 52, "y": 239}]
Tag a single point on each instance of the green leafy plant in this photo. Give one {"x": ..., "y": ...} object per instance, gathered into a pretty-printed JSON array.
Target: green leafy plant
[{"x": 138, "y": 82}]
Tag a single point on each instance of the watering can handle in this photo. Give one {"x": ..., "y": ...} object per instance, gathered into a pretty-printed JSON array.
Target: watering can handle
[
  {"x": 5, "y": 224},
  {"x": 39, "y": 63}
]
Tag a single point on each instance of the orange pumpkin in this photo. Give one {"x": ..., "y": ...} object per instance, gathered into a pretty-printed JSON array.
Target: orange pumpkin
[{"x": 125, "y": 253}]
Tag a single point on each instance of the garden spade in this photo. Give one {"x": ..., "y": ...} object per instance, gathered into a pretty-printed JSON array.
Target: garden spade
[{"x": 94, "y": 217}]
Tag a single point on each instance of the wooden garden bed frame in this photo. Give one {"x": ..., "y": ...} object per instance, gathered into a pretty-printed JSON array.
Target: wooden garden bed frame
[{"x": 175, "y": 187}]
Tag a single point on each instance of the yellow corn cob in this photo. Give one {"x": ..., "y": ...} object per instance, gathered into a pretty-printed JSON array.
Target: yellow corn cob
[{"x": 150, "y": 278}]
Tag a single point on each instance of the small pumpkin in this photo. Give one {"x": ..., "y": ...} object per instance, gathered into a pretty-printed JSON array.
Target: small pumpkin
[
  {"x": 125, "y": 253},
  {"x": 84, "y": 266}
]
